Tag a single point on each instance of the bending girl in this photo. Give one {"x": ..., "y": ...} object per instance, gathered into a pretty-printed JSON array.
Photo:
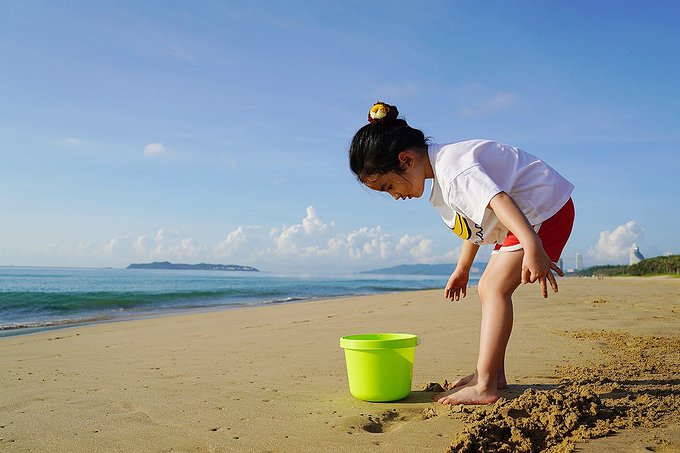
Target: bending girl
[{"x": 487, "y": 193}]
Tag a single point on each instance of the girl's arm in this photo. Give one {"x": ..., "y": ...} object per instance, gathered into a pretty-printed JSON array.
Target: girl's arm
[
  {"x": 536, "y": 265},
  {"x": 467, "y": 256},
  {"x": 457, "y": 284}
]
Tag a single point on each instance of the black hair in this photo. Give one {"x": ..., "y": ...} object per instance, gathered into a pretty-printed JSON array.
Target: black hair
[{"x": 375, "y": 147}]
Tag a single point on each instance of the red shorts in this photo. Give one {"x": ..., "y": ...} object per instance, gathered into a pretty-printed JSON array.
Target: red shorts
[{"x": 553, "y": 233}]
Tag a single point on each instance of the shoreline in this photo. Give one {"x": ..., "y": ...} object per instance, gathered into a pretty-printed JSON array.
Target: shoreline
[
  {"x": 70, "y": 297},
  {"x": 7, "y": 332},
  {"x": 218, "y": 380},
  {"x": 67, "y": 324}
]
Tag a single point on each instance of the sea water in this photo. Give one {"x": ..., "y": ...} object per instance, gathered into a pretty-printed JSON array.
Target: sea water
[{"x": 41, "y": 298}]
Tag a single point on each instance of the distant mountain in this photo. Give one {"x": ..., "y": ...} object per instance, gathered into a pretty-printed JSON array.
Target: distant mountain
[
  {"x": 192, "y": 267},
  {"x": 423, "y": 269}
]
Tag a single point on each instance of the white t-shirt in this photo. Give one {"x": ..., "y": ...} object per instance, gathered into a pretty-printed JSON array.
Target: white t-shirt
[{"x": 467, "y": 175}]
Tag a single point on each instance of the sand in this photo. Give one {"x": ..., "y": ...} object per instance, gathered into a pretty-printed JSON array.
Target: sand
[{"x": 594, "y": 367}]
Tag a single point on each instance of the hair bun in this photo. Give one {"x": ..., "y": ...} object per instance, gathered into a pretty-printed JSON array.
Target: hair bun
[{"x": 382, "y": 112}]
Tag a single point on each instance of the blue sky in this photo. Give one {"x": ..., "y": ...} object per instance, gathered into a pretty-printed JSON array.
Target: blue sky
[{"x": 218, "y": 131}]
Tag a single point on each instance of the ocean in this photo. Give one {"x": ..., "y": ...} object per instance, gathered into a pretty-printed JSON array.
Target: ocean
[{"x": 35, "y": 299}]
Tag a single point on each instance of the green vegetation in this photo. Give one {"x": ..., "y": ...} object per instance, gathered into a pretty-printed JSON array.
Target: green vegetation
[{"x": 661, "y": 265}]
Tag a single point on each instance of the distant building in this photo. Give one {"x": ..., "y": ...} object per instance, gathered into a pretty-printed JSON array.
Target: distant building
[
  {"x": 635, "y": 255},
  {"x": 579, "y": 262}
]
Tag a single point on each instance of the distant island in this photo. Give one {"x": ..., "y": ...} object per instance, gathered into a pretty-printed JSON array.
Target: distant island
[
  {"x": 423, "y": 269},
  {"x": 192, "y": 267}
]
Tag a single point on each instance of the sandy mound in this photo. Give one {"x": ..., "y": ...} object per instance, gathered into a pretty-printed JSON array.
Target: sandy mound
[{"x": 637, "y": 385}]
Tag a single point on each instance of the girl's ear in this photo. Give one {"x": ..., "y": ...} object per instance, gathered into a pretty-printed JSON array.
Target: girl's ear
[{"x": 405, "y": 159}]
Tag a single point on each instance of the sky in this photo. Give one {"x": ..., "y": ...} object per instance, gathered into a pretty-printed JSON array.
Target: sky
[{"x": 217, "y": 131}]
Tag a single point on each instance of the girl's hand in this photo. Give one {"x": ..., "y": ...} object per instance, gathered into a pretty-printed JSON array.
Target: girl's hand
[
  {"x": 536, "y": 265},
  {"x": 457, "y": 284}
]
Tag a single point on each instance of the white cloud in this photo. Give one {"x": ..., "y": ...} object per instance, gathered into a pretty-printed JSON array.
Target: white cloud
[
  {"x": 373, "y": 246},
  {"x": 363, "y": 243},
  {"x": 312, "y": 244},
  {"x": 616, "y": 244},
  {"x": 155, "y": 149},
  {"x": 116, "y": 244},
  {"x": 70, "y": 141},
  {"x": 238, "y": 241},
  {"x": 165, "y": 245},
  {"x": 304, "y": 238},
  {"x": 172, "y": 244},
  {"x": 416, "y": 246},
  {"x": 312, "y": 223},
  {"x": 165, "y": 235},
  {"x": 141, "y": 245}
]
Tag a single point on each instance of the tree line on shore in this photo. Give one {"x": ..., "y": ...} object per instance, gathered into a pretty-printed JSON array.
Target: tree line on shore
[{"x": 660, "y": 265}]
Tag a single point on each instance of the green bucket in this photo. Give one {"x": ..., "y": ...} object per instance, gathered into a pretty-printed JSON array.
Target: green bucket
[{"x": 380, "y": 365}]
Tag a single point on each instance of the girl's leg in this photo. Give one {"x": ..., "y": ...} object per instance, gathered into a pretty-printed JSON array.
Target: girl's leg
[
  {"x": 501, "y": 278},
  {"x": 501, "y": 381},
  {"x": 472, "y": 377}
]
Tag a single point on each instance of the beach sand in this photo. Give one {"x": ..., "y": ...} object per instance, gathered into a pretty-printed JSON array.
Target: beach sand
[{"x": 601, "y": 357}]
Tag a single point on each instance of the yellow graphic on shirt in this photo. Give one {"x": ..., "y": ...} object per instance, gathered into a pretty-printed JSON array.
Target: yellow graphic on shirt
[{"x": 461, "y": 227}]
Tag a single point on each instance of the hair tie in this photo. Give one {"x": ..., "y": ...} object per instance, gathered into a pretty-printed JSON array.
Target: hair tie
[{"x": 382, "y": 112}]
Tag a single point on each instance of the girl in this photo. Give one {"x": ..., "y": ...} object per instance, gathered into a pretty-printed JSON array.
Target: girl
[{"x": 486, "y": 193}]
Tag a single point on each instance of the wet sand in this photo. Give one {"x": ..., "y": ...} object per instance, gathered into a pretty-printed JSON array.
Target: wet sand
[{"x": 594, "y": 367}]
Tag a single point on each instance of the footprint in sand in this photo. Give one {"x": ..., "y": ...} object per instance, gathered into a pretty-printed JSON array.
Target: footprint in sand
[
  {"x": 389, "y": 420},
  {"x": 381, "y": 423}
]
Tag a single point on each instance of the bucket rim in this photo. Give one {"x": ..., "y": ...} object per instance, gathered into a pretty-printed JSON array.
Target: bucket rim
[{"x": 379, "y": 341}]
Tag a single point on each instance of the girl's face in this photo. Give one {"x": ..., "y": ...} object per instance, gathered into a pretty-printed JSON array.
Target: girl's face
[{"x": 408, "y": 184}]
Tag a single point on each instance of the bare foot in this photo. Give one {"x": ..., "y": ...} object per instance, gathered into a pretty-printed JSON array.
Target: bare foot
[
  {"x": 471, "y": 394},
  {"x": 463, "y": 381},
  {"x": 501, "y": 382}
]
